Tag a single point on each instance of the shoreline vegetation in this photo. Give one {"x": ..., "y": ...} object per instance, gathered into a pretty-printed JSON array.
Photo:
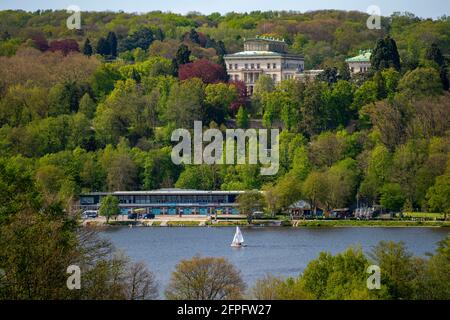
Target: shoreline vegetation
[{"x": 274, "y": 223}]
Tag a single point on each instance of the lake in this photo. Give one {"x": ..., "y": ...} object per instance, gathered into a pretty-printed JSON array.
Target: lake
[{"x": 278, "y": 251}]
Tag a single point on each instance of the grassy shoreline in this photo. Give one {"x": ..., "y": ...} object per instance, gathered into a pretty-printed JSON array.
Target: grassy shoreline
[
  {"x": 372, "y": 223},
  {"x": 294, "y": 224}
]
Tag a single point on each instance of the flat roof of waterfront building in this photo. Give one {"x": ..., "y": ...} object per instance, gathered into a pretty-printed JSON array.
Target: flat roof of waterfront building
[{"x": 167, "y": 192}]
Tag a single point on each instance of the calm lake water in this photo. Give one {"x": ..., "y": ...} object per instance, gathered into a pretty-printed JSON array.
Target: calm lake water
[{"x": 278, "y": 251}]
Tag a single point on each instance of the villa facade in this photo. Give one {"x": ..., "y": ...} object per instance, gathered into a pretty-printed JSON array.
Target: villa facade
[
  {"x": 263, "y": 56},
  {"x": 269, "y": 56},
  {"x": 359, "y": 63}
]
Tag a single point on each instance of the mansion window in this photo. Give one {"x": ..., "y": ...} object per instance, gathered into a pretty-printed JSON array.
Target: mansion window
[
  {"x": 274, "y": 77},
  {"x": 252, "y": 66},
  {"x": 236, "y": 77},
  {"x": 257, "y": 66},
  {"x": 268, "y": 66},
  {"x": 274, "y": 66},
  {"x": 235, "y": 66},
  {"x": 230, "y": 66},
  {"x": 246, "y": 66}
]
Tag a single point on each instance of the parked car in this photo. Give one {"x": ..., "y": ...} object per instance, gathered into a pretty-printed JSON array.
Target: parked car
[
  {"x": 90, "y": 214},
  {"x": 258, "y": 214},
  {"x": 149, "y": 216},
  {"x": 133, "y": 216}
]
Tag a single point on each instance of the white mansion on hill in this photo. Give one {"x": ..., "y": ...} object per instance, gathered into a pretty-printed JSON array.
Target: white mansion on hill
[
  {"x": 268, "y": 56},
  {"x": 265, "y": 56}
]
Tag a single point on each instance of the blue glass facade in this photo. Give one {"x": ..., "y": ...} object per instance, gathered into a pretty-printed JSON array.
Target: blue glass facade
[{"x": 170, "y": 201}]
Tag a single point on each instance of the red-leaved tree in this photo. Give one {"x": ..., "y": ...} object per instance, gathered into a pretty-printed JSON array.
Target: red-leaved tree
[
  {"x": 65, "y": 46},
  {"x": 40, "y": 42},
  {"x": 207, "y": 71},
  {"x": 242, "y": 98}
]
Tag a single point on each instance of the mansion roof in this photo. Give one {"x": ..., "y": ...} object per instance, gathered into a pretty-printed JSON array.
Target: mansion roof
[
  {"x": 262, "y": 54},
  {"x": 364, "y": 56},
  {"x": 263, "y": 47}
]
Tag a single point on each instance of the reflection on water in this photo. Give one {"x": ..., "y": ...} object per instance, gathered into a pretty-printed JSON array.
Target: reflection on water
[{"x": 278, "y": 251}]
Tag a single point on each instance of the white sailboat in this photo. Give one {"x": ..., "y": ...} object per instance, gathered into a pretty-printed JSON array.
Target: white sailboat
[{"x": 238, "y": 240}]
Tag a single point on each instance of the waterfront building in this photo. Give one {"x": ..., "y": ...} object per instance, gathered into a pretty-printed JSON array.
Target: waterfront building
[
  {"x": 263, "y": 56},
  {"x": 302, "y": 208},
  {"x": 360, "y": 63},
  {"x": 168, "y": 201}
]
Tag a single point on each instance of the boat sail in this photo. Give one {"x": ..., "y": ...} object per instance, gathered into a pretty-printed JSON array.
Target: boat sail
[{"x": 238, "y": 240}]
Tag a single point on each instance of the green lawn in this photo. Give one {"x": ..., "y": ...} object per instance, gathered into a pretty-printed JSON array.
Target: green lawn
[
  {"x": 227, "y": 223},
  {"x": 423, "y": 215},
  {"x": 183, "y": 223},
  {"x": 372, "y": 223}
]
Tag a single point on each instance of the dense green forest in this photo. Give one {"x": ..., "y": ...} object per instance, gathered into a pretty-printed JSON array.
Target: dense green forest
[{"x": 94, "y": 109}]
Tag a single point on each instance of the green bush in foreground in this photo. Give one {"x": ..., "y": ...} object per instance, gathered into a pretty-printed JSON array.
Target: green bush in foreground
[
  {"x": 205, "y": 278},
  {"x": 343, "y": 276}
]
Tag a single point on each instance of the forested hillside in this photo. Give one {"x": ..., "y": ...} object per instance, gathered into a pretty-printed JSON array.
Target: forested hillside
[{"x": 94, "y": 109}]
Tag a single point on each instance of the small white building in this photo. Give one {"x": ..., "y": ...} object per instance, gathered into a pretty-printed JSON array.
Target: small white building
[
  {"x": 263, "y": 56},
  {"x": 360, "y": 63}
]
